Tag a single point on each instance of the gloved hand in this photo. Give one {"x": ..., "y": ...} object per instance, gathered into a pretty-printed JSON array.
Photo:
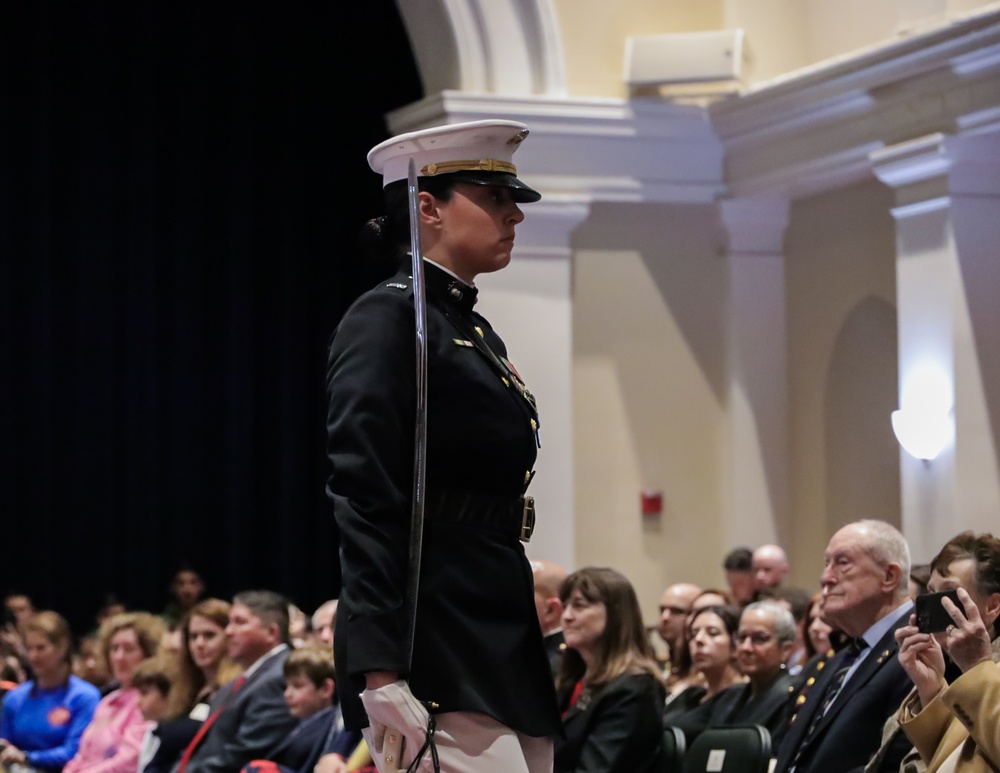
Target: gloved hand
[{"x": 395, "y": 716}]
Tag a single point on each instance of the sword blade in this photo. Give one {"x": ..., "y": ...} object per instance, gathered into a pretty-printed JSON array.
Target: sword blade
[{"x": 420, "y": 438}]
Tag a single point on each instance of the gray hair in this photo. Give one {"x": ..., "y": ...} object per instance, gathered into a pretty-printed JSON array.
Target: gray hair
[
  {"x": 887, "y": 546},
  {"x": 784, "y": 623}
]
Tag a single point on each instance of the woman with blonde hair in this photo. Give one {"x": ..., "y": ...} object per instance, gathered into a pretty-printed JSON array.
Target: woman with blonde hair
[
  {"x": 612, "y": 695},
  {"x": 44, "y": 718},
  {"x": 112, "y": 741}
]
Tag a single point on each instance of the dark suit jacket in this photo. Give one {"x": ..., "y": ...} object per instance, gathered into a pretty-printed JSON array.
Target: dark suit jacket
[
  {"x": 851, "y": 731},
  {"x": 770, "y": 709},
  {"x": 477, "y": 644},
  {"x": 617, "y": 728},
  {"x": 313, "y": 737},
  {"x": 253, "y": 721},
  {"x": 554, "y": 646}
]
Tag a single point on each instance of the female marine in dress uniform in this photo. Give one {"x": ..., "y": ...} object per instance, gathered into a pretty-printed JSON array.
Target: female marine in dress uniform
[{"x": 478, "y": 663}]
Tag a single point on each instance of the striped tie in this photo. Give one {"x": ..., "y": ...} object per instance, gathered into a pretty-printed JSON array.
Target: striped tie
[{"x": 851, "y": 653}]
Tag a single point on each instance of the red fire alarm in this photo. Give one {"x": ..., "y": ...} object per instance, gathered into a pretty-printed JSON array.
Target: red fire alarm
[{"x": 652, "y": 503}]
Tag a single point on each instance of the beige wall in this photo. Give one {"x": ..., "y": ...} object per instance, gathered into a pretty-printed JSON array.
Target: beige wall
[
  {"x": 594, "y": 33},
  {"x": 781, "y": 35},
  {"x": 842, "y": 355},
  {"x": 648, "y": 382}
]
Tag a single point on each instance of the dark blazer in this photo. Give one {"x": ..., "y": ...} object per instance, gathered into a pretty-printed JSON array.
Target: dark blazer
[
  {"x": 616, "y": 728},
  {"x": 313, "y": 737},
  {"x": 738, "y": 706},
  {"x": 252, "y": 723},
  {"x": 851, "y": 731},
  {"x": 554, "y": 646},
  {"x": 478, "y": 645}
]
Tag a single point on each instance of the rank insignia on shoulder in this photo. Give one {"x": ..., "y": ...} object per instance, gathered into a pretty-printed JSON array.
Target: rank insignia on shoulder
[
  {"x": 479, "y": 330},
  {"x": 398, "y": 285},
  {"x": 461, "y": 342}
]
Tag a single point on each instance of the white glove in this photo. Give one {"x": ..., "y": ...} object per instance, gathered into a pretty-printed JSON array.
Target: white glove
[{"x": 395, "y": 715}]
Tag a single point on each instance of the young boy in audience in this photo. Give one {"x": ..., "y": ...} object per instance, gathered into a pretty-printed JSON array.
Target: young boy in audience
[
  {"x": 309, "y": 691},
  {"x": 152, "y": 680}
]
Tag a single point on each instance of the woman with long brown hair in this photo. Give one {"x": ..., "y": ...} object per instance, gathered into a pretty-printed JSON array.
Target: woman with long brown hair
[
  {"x": 609, "y": 680},
  {"x": 203, "y": 663}
]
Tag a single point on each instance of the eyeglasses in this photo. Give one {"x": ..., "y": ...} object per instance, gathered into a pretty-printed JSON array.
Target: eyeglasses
[{"x": 756, "y": 637}]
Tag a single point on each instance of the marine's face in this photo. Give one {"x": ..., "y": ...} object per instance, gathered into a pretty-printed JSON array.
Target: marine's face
[{"x": 476, "y": 228}]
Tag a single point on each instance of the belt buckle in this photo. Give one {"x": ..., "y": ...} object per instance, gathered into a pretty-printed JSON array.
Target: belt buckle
[{"x": 527, "y": 519}]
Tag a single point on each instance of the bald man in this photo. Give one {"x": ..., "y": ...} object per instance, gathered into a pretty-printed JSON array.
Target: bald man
[
  {"x": 770, "y": 567},
  {"x": 549, "y": 577},
  {"x": 322, "y": 622},
  {"x": 675, "y": 605}
]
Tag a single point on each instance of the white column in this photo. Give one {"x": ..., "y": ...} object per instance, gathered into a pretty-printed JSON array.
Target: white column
[
  {"x": 530, "y": 304},
  {"x": 947, "y": 217},
  {"x": 757, "y": 500}
]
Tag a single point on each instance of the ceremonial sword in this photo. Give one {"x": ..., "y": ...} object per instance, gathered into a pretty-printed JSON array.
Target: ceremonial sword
[{"x": 420, "y": 438}]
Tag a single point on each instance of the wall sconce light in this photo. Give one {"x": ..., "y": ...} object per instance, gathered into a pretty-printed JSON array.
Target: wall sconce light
[
  {"x": 925, "y": 423},
  {"x": 923, "y": 436}
]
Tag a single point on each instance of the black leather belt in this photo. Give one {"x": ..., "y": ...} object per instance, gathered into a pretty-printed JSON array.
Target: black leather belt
[{"x": 509, "y": 515}]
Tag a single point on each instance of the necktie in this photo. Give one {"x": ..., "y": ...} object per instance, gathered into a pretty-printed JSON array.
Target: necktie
[
  {"x": 207, "y": 724},
  {"x": 833, "y": 689}
]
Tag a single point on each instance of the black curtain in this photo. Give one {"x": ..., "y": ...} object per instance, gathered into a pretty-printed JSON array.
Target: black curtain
[{"x": 181, "y": 188}]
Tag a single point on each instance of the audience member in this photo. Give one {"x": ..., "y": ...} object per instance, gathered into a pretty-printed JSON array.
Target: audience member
[
  {"x": 248, "y": 716},
  {"x": 957, "y": 727},
  {"x": 866, "y": 594},
  {"x": 203, "y": 662},
  {"x": 764, "y": 643},
  {"x": 796, "y": 601},
  {"x": 91, "y": 665},
  {"x": 298, "y": 627},
  {"x": 712, "y": 645},
  {"x": 110, "y": 606},
  {"x": 43, "y": 719},
  {"x": 738, "y": 566},
  {"x": 309, "y": 689},
  {"x": 920, "y": 575},
  {"x": 711, "y": 597},
  {"x": 549, "y": 578},
  {"x": 323, "y": 620},
  {"x": 111, "y": 742},
  {"x": 609, "y": 682},
  {"x": 186, "y": 590},
  {"x": 770, "y": 567},
  {"x": 153, "y": 679},
  {"x": 675, "y": 606},
  {"x": 19, "y": 608}
]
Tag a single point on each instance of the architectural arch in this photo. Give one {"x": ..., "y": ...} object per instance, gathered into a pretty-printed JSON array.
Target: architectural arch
[{"x": 510, "y": 47}]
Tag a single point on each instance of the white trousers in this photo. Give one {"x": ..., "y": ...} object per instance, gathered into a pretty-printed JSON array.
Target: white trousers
[{"x": 471, "y": 743}]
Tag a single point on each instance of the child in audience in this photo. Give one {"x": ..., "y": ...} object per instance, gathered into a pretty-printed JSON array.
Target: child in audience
[
  {"x": 309, "y": 691},
  {"x": 153, "y": 680}
]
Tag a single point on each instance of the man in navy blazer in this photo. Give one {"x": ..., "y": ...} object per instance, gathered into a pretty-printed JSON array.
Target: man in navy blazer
[
  {"x": 866, "y": 595},
  {"x": 248, "y": 717}
]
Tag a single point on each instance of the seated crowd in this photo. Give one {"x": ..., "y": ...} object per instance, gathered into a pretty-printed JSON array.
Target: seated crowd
[
  {"x": 846, "y": 679},
  {"x": 215, "y": 687},
  {"x": 842, "y": 680}
]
